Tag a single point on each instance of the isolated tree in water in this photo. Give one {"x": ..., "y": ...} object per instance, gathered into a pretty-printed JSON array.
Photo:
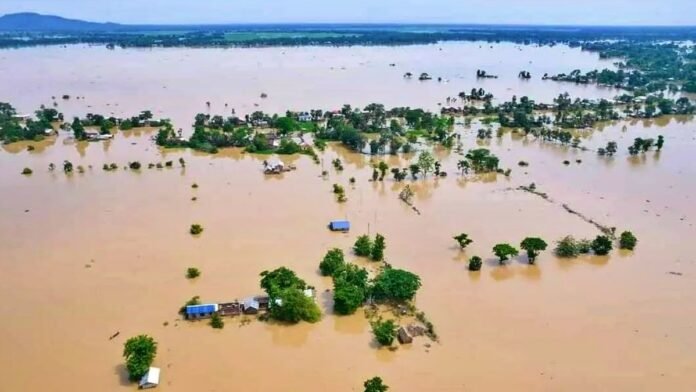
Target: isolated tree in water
[
  {"x": 533, "y": 245},
  {"x": 375, "y": 384}
]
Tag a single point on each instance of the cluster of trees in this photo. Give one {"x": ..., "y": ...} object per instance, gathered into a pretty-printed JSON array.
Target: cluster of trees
[
  {"x": 644, "y": 145},
  {"x": 569, "y": 247},
  {"x": 532, "y": 245},
  {"x": 12, "y": 130},
  {"x": 366, "y": 247},
  {"x": 288, "y": 302}
]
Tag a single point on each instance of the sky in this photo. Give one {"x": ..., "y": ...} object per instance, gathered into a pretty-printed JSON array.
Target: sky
[{"x": 549, "y": 12}]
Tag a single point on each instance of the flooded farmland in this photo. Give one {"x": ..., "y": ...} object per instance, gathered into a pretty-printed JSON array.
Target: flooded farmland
[{"x": 89, "y": 254}]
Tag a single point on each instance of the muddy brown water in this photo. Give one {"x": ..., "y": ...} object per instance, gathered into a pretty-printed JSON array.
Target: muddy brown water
[{"x": 86, "y": 255}]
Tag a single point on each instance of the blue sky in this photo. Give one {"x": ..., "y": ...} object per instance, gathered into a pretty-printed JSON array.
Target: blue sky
[{"x": 585, "y": 12}]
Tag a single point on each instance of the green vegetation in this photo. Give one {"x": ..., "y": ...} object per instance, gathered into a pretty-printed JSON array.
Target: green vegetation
[
  {"x": 139, "y": 352},
  {"x": 463, "y": 240},
  {"x": 533, "y": 245},
  {"x": 332, "y": 262},
  {"x": 216, "y": 321},
  {"x": 27, "y": 171},
  {"x": 196, "y": 300},
  {"x": 482, "y": 161},
  {"x": 196, "y": 229},
  {"x": 567, "y": 247},
  {"x": 475, "y": 263},
  {"x": 384, "y": 332},
  {"x": 377, "y": 253},
  {"x": 192, "y": 273},
  {"x": 351, "y": 288},
  {"x": 375, "y": 384},
  {"x": 602, "y": 245},
  {"x": 363, "y": 246},
  {"x": 504, "y": 252},
  {"x": 288, "y": 301},
  {"x": 395, "y": 285},
  {"x": 627, "y": 240}
]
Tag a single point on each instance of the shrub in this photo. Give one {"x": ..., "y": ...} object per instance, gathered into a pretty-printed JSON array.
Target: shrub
[
  {"x": 194, "y": 185},
  {"x": 134, "y": 165},
  {"x": 375, "y": 384},
  {"x": 475, "y": 263},
  {"x": 377, "y": 253},
  {"x": 627, "y": 240},
  {"x": 363, "y": 246},
  {"x": 332, "y": 262},
  {"x": 463, "y": 240},
  {"x": 196, "y": 229},
  {"x": 27, "y": 171},
  {"x": 384, "y": 331},
  {"x": 602, "y": 245},
  {"x": 193, "y": 273},
  {"x": 584, "y": 246},
  {"x": 504, "y": 251},
  {"x": 217, "y": 322},
  {"x": 567, "y": 247}
]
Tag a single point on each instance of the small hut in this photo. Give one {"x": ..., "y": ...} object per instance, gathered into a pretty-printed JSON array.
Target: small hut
[
  {"x": 339, "y": 225},
  {"x": 403, "y": 336},
  {"x": 150, "y": 379}
]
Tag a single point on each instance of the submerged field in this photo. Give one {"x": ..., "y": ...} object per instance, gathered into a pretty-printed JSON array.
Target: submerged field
[{"x": 87, "y": 255}]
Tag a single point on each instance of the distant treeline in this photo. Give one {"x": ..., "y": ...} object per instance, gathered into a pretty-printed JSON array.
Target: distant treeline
[{"x": 340, "y": 35}]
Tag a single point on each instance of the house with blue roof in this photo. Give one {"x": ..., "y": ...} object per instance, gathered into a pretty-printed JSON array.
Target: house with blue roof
[
  {"x": 339, "y": 225},
  {"x": 194, "y": 312}
]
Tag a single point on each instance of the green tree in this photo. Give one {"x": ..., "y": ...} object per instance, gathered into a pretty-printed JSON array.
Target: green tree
[
  {"x": 426, "y": 162},
  {"x": 294, "y": 306},
  {"x": 463, "y": 240},
  {"x": 375, "y": 384},
  {"x": 533, "y": 245},
  {"x": 602, "y": 245},
  {"x": 273, "y": 282},
  {"x": 660, "y": 142},
  {"x": 395, "y": 285},
  {"x": 363, "y": 246},
  {"x": 475, "y": 263},
  {"x": 139, "y": 352},
  {"x": 627, "y": 240},
  {"x": 384, "y": 331},
  {"x": 415, "y": 170},
  {"x": 347, "y": 297},
  {"x": 196, "y": 229},
  {"x": 504, "y": 252},
  {"x": 383, "y": 167},
  {"x": 377, "y": 253},
  {"x": 192, "y": 273},
  {"x": 286, "y": 125},
  {"x": 333, "y": 262}
]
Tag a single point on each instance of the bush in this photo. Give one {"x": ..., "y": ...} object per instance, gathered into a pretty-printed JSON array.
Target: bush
[
  {"x": 363, "y": 246},
  {"x": 584, "y": 246},
  {"x": 194, "y": 185},
  {"x": 384, "y": 331},
  {"x": 192, "y": 273},
  {"x": 377, "y": 253},
  {"x": 27, "y": 171},
  {"x": 217, "y": 322},
  {"x": 332, "y": 262},
  {"x": 139, "y": 352},
  {"x": 375, "y": 384},
  {"x": 567, "y": 247},
  {"x": 475, "y": 263},
  {"x": 463, "y": 240},
  {"x": 602, "y": 245},
  {"x": 193, "y": 301},
  {"x": 627, "y": 240},
  {"x": 134, "y": 165},
  {"x": 505, "y": 251},
  {"x": 196, "y": 229}
]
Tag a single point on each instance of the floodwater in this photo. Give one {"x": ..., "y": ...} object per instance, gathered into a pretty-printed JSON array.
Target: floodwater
[{"x": 87, "y": 255}]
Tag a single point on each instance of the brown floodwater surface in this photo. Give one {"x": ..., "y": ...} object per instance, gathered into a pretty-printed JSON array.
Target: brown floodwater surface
[{"x": 86, "y": 255}]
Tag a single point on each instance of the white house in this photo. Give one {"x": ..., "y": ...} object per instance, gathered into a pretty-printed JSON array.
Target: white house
[{"x": 150, "y": 379}]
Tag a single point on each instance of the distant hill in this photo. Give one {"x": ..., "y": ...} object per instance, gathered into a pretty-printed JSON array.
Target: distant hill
[{"x": 29, "y": 21}]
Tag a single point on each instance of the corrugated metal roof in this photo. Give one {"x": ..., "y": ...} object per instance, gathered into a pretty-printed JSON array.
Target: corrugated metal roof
[
  {"x": 201, "y": 309},
  {"x": 251, "y": 303},
  {"x": 340, "y": 225}
]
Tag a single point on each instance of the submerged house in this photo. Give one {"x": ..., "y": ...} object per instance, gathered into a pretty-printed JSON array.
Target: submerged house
[
  {"x": 194, "y": 312},
  {"x": 304, "y": 117},
  {"x": 150, "y": 379},
  {"x": 339, "y": 225}
]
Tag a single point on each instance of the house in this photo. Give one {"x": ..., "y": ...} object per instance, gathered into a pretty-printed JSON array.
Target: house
[
  {"x": 251, "y": 305},
  {"x": 339, "y": 225},
  {"x": 150, "y": 379},
  {"x": 91, "y": 134},
  {"x": 230, "y": 309},
  {"x": 304, "y": 117},
  {"x": 403, "y": 336},
  {"x": 201, "y": 311}
]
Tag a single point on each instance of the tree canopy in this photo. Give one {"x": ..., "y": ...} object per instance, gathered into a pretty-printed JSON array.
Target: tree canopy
[{"x": 139, "y": 352}]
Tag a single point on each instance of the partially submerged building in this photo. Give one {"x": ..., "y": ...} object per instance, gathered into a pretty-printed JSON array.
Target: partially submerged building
[
  {"x": 150, "y": 379},
  {"x": 339, "y": 225},
  {"x": 194, "y": 312}
]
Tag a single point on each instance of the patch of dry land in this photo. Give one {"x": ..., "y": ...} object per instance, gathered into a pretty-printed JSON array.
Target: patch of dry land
[{"x": 88, "y": 254}]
